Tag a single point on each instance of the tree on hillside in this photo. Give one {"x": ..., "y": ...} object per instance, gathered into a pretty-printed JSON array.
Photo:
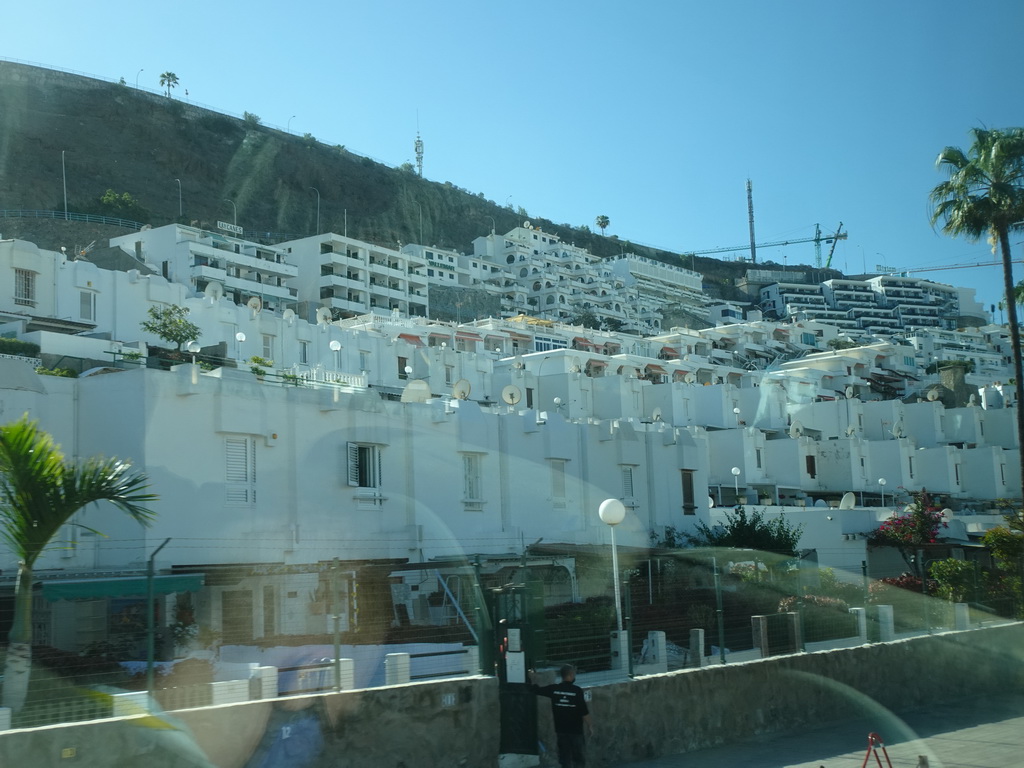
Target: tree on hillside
[
  {"x": 602, "y": 222},
  {"x": 39, "y": 493},
  {"x": 171, "y": 324},
  {"x": 984, "y": 195},
  {"x": 168, "y": 80}
]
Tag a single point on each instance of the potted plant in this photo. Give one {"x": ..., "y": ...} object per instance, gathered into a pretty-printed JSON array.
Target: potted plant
[{"x": 259, "y": 365}]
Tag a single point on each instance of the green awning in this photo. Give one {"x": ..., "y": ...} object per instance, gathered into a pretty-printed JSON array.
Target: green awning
[{"x": 90, "y": 589}]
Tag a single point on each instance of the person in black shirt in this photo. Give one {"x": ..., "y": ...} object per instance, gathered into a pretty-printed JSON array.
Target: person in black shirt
[{"x": 571, "y": 714}]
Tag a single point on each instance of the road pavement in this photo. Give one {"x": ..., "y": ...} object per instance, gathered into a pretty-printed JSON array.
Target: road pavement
[{"x": 957, "y": 733}]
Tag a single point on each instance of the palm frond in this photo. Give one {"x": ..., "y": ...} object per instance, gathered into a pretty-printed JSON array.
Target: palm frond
[{"x": 40, "y": 492}]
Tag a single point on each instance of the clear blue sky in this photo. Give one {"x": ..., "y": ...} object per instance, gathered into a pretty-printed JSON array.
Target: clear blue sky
[{"x": 653, "y": 113}]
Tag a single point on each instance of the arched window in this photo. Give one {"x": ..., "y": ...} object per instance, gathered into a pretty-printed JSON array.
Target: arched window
[
  {"x": 551, "y": 300},
  {"x": 524, "y": 272},
  {"x": 511, "y": 260}
]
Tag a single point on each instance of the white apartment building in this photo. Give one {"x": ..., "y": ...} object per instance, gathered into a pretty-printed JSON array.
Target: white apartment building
[
  {"x": 385, "y": 438},
  {"x": 878, "y": 306},
  {"x": 350, "y": 277},
  {"x": 217, "y": 264}
]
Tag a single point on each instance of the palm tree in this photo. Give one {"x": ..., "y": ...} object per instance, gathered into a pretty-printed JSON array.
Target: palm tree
[
  {"x": 984, "y": 195},
  {"x": 39, "y": 493},
  {"x": 168, "y": 80},
  {"x": 602, "y": 221}
]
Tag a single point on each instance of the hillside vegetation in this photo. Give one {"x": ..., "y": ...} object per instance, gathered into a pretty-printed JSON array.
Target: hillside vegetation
[{"x": 133, "y": 142}]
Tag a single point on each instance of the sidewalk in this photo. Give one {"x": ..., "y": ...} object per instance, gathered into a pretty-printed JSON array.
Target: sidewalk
[{"x": 959, "y": 733}]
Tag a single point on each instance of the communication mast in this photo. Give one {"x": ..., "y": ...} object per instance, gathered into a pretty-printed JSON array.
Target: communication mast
[
  {"x": 419, "y": 154},
  {"x": 750, "y": 216}
]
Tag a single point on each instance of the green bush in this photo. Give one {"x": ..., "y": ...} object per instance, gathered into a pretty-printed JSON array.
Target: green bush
[{"x": 18, "y": 347}]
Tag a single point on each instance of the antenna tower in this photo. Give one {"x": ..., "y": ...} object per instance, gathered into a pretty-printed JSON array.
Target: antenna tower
[
  {"x": 750, "y": 217},
  {"x": 419, "y": 154}
]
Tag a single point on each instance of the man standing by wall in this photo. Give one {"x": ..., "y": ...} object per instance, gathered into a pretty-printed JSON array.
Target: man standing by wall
[{"x": 571, "y": 714}]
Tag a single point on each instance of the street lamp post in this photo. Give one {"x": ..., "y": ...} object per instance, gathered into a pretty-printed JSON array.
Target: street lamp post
[
  {"x": 64, "y": 176},
  {"x": 736, "y": 413},
  {"x": 612, "y": 512},
  {"x": 234, "y": 209},
  {"x": 881, "y": 488},
  {"x": 179, "y": 198},
  {"x": 317, "y": 209},
  {"x": 736, "y": 483},
  {"x": 288, "y": 126},
  {"x": 151, "y": 621},
  {"x": 137, "y": 78}
]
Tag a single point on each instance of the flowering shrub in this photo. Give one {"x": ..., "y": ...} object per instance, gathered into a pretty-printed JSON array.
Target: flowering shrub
[
  {"x": 824, "y": 618},
  {"x": 919, "y": 524}
]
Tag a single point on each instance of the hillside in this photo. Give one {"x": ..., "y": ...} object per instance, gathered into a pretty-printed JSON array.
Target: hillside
[{"x": 116, "y": 137}]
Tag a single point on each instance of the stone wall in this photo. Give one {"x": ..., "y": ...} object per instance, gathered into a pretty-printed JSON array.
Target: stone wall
[
  {"x": 455, "y": 722},
  {"x": 443, "y": 723},
  {"x": 695, "y": 709}
]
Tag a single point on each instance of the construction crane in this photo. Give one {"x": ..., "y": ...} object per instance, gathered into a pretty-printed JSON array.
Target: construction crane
[
  {"x": 904, "y": 272},
  {"x": 818, "y": 239}
]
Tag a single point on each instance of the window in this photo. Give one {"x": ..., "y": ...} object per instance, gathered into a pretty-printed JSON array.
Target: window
[
  {"x": 87, "y": 305},
  {"x": 472, "y": 477},
  {"x": 268, "y": 346},
  {"x": 364, "y": 361},
  {"x": 956, "y": 473},
  {"x": 304, "y": 352},
  {"x": 811, "y": 465},
  {"x": 240, "y": 471},
  {"x": 757, "y": 457},
  {"x": 449, "y": 374},
  {"x": 689, "y": 502},
  {"x": 910, "y": 467},
  {"x": 24, "y": 287},
  {"x": 363, "y": 465},
  {"x": 403, "y": 363},
  {"x": 627, "y": 482},
  {"x": 558, "y": 483}
]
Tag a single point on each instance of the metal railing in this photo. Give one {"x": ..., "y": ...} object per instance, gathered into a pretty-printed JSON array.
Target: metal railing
[{"x": 90, "y": 218}]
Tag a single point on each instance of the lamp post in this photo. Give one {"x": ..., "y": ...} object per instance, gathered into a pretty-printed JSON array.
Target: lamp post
[
  {"x": 736, "y": 483},
  {"x": 137, "y": 78},
  {"x": 234, "y": 209},
  {"x": 64, "y": 176},
  {"x": 240, "y": 338},
  {"x": 151, "y": 621},
  {"x": 180, "y": 214},
  {"x": 612, "y": 512},
  {"x": 736, "y": 413},
  {"x": 881, "y": 488},
  {"x": 317, "y": 209},
  {"x": 193, "y": 348},
  {"x": 335, "y": 346},
  {"x": 288, "y": 125}
]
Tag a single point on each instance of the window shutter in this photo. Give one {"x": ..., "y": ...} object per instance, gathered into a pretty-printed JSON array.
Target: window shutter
[
  {"x": 627, "y": 482},
  {"x": 239, "y": 470},
  {"x": 353, "y": 464}
]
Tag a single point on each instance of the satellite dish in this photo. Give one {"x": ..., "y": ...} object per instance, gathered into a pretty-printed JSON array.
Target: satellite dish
[
  {"x": 461, "y": 389},
  {"x": 656, "y": 415},
  {"x": 288, "y": 315},
  {"x": 518, "y": 363},
  {"x": 851, "y": 431},
  {"x": 528, "y": 224},
  {"x": 511, "y": 394},
  {"x": 417, "y": 391},
  {"x": 848, "y": 501},
  {"x": 255, "y": 304},
  {"x": 796, "y": 429},
  {"x": 850, "y": 392},
  {"x": 323, "y": 316},
  {"x": 972, "y": 400},
  {"x": 213, "y": 290},
  {"x": 897, "y": 429},
  {"x": 577, "y": 365},
  {"x": 689, "y": 378},
  {"x": 933, "y": 395}
]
